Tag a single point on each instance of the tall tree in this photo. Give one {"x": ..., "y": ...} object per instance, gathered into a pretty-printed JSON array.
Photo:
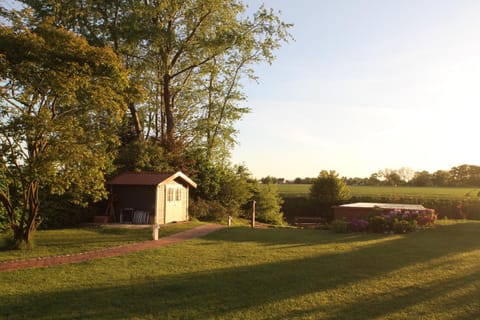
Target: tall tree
[
  {"x": 61, "y": 101},
  {"x": 205, "y": 46},
  {"x": 187, "y": 56},
  {"x": 422, "y": 179}
]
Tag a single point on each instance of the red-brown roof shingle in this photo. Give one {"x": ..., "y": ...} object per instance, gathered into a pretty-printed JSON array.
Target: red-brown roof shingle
[{"x": 148, "y": 178}]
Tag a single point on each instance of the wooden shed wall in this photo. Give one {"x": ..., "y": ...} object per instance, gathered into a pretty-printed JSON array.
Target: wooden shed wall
[
  {"x": 160, "y": 204},
  {"x": 176, "y": 209}
]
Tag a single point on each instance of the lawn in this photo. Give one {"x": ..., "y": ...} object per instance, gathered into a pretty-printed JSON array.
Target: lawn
[
  {"x": 75, "y": 240},
  {"x": 301, "y": 190},
  {"x": 243, "y": 273}
]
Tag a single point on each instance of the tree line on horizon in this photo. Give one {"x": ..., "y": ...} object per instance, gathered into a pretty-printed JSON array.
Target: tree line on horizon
[{"x": 459, "y": 176}]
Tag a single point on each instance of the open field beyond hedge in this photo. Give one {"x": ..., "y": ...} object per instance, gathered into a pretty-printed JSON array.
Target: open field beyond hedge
[
  {"x": 284, "y": 273},
  {"x": 303, "y": 190}
]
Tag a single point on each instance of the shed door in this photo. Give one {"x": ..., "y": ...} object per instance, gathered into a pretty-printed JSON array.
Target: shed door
[{"x": 175, "y": 209}]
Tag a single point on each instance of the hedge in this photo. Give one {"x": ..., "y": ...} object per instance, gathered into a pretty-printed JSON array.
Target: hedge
[{"x": 453, "y": 209}]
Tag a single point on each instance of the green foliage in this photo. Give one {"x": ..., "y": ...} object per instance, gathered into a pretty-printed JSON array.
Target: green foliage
[
  {"x": 305, "y": 207},
  {"x": 61, "y": 103},
  {"x": 59, "y": 211},
  {"x": 237, "y": 190},
  {"x": 208, "y": 210},
  {"x": 340, "y": 226},
  {"x": 3, "y": 220},
  {"x": 193, "y": 55},
  {"x": 329, "y": 188},
  {"x": 142, "y": 155},
  {"x": 377, "y": 224},
  {"x": 404, "y": 226},
  {"x": 63, "y": 99},
  {"x": 268, "y": 204},
  {"x": 221, "y": 191}
]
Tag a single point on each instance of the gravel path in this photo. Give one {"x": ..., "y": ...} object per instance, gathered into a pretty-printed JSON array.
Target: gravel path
[{"x": 109, "y": 252}]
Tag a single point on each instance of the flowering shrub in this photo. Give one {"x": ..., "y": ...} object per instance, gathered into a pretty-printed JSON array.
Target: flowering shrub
[
  {"x": 427, "y": 219},
  {"x": 394, "y": 221},
  {"x": 358, "y": 225}
]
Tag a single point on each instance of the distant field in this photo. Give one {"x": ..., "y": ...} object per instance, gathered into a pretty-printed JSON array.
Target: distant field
[{"x": 301, "y": 190}]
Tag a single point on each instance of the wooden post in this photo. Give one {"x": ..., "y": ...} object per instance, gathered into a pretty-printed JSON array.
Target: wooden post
[
  {"x": 156, "y": 226},
  {"x": 229, "y": 220},
  {"x": 253, "y": 214}
]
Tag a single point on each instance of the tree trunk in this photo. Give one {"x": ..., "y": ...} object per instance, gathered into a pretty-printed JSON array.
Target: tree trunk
[
  {"x": 136, "y": 120},
  {"x": 169, "y": 138},
  {"x": 25, "y": 228}
]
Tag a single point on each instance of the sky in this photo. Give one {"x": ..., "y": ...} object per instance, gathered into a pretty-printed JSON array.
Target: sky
[{"x": 366, "y": 85}]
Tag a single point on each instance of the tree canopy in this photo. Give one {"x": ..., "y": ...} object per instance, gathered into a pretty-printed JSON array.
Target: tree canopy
[
  {"x": 61, "y": 102},
  {"x": 329, "y": 188},
  {"x": 186, "y": 57},
  {"x": 93, "y": 87}
]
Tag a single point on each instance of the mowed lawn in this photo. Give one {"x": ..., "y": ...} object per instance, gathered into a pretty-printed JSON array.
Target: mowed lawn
[
  {"x": 75, "y": 240},
  {"x": 302, "y": 190},
  {"x": 284, "y": 273}
]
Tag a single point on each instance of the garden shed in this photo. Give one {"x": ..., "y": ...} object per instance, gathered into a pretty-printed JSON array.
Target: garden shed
[
  {"x": 150, "y": 197},
  {"x": 364, "y": 209}
]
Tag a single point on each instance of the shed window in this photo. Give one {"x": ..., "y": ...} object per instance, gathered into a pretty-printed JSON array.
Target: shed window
[
  {"x": 178, "y": 194},
  {"x": 169, "y": 194}
]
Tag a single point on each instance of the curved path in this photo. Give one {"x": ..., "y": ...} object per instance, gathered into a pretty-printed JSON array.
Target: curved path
[{"x": 109, "y": 252}]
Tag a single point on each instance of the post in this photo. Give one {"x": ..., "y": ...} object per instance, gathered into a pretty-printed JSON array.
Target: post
[
  {"x": 229, "y": 220},
  {"x": 156, "y": 226},
  {"x": 253, "y": 214}
]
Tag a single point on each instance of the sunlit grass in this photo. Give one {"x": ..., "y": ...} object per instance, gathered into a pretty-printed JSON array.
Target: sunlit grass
[
  {"x": 240, "y": 273},
  {"x": 75, "y": 240}
]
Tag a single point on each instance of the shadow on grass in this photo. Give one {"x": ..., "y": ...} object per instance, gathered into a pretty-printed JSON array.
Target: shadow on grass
[
  {"x": 229, "y": 292},
  {"x": 289, "y": 236}
]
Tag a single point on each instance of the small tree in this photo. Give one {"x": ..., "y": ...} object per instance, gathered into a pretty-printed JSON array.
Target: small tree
[
  {"x": 268, "y": 204},
  {"x": 222, "y": 190},
  {"x": 329, "y": 189}
]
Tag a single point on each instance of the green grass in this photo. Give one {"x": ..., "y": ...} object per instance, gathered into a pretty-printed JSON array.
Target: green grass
[
  {"x": 75, "y": 240},
  {"x": 300, "y": 190},
  {"x": 240, "y": 273}
]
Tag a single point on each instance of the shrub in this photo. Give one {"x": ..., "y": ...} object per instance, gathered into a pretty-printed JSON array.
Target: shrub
[
  {"x": 358, "y": 225},
  {"x": 427, "y": 218},
  {"x": 404, "y": 226},
  {"x": 377, "y": 224},
  {"x": 269, "y": 204},
  {"x": 209, "y": 210},
  {"x": 397, "y": 221},
  {"x": 305, "y": 207},
  {"x": 340, "y": 226}
]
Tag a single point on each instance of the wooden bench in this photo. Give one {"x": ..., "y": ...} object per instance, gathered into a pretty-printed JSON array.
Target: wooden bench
[{"x": 309, "y": 222}]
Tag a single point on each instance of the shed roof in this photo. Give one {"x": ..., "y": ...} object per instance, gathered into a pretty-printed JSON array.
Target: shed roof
[
  {"x": 391, "y": 206},
  {"x": 149, "y": 178}
]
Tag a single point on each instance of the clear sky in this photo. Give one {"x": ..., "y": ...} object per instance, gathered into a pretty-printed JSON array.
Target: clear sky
[{"x": 366, "y": 85}]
